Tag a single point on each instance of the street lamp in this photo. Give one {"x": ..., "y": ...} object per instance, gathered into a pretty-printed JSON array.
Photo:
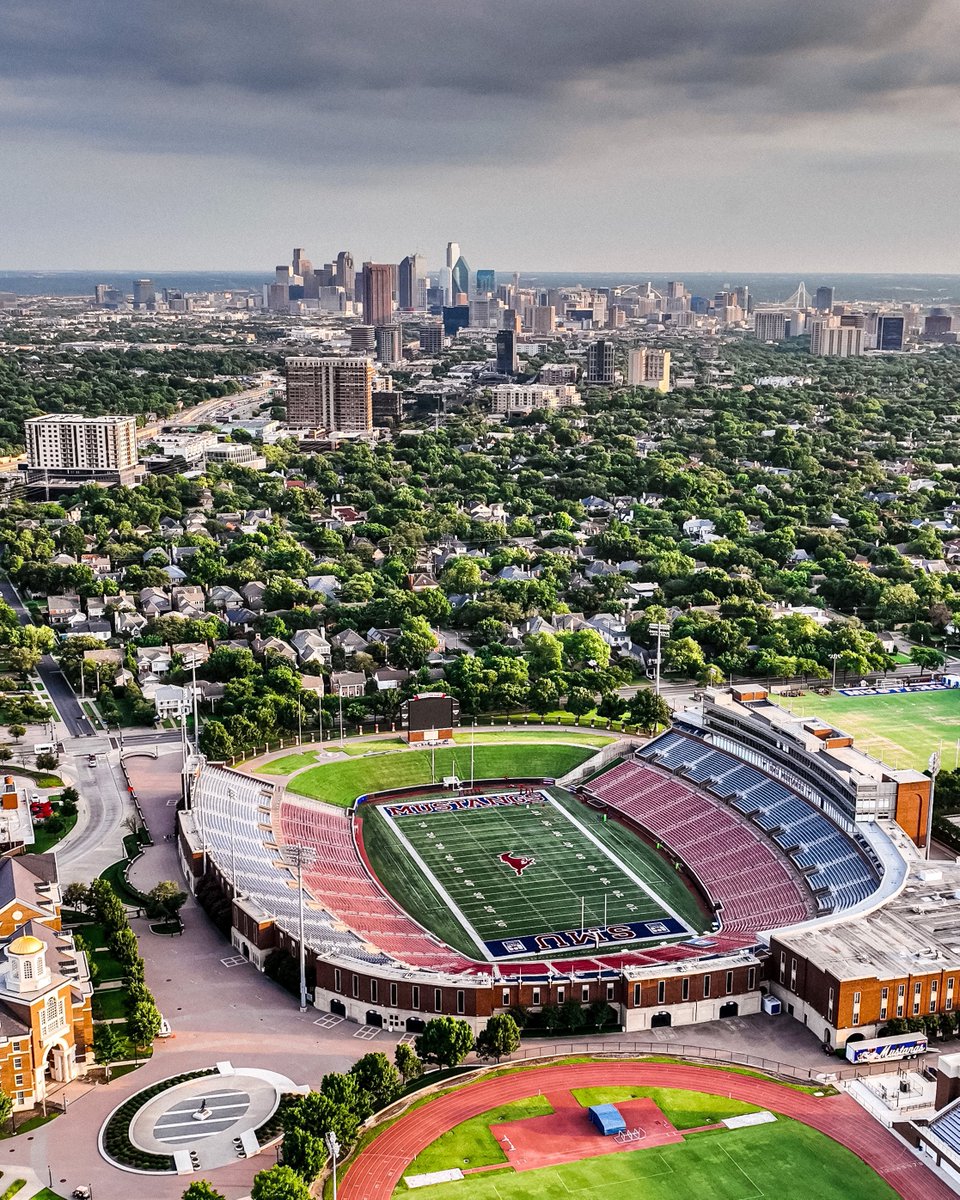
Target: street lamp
[
  {"x": 835, "y": 658},
  {"x": 660, "y": 629},
  {"x": 300, "y": 856},
  {"x": 933, "y": 766},
  {"x": 334, "y": 1148}
]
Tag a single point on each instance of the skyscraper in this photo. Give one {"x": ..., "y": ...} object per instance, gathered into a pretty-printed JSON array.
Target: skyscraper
[
  {"x": 486, "y": 282},
  {"x": 431, "y": 339},
  {"x": 330, "y": 393},
  {"x": 345, "y": 274},
  {"x": 378, "y": 293},
  {"x": 389, "y": 344},
  {"x": 411, "y": 272},
  {"x": 144, "y": 294},
  {"x": 890, "y": 330},
  {"x": 650, "y": 368},
  {"x": 831, "y": 338},
  {"x": 460, "y": 280},
  {"x": 507, "y": 361},
  {"x": 600, "y": 362},
  {"x": 66, "y": 446},
  {"x": 824, "y": 299},
  {"x": 302, "y": 265},
  {"x": 770, "y": 325},
  {"x": 453, "y": 253}
]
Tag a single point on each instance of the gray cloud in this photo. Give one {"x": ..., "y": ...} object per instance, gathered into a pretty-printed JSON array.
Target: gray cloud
[{"x": 517, "y": 99}]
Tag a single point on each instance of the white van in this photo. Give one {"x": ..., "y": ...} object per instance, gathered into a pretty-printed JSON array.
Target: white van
[{"x": 44, "y": 747}]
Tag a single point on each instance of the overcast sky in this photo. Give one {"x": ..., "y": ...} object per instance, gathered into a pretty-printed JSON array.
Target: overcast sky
[{"x": 541, "y": 134}]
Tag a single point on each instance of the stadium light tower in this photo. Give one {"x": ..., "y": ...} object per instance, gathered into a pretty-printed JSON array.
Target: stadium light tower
[
  {"x": 834, "y": 658},
  {"x": 298, "y": 856},
  {"x": 333, "y": 1146},
  {"x": 933, "y": 766},
  {"x": 660, "y": 629}
]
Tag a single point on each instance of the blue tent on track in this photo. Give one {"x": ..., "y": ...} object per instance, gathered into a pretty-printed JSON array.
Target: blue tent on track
[{"x": 607, "y": 1118}]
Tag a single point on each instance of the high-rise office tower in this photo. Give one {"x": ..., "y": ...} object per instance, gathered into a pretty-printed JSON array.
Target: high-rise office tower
[
  {"x": 508, "y": 362},
  {"x": 334, "y": 394},
  {"x": 144, "y": 294},
  {"x": 650, "y": 368},
  {"x": 460, "y": 280},
  {"x": 600, "y": 362},
  {"x": 302, "y": 265},
  {"x": 345, "y": 274},
  {"x": 831, "y": 338},
  {"x": 770, "y": 325},
  {"x": 890, "y": 331},
  {"x": 389, "y": 343},
  {"x": 486, "y": 282},
  {"x": 378, "y": 293},
  {"x": 66, "y": 446},
  {"x": 453, "y": 253},
  {"x": 824, "y": 299},
  {"x": 431, "y": 340},
  {"x": 675, "y": 289},
  {"x": 742, "y": 294},
  {"x": 362, "y": 337},
  {"x": 411, "y": 273}
]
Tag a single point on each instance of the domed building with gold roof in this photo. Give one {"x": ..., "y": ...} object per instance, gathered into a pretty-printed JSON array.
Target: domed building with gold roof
[{"x": 46, "y": 1025}]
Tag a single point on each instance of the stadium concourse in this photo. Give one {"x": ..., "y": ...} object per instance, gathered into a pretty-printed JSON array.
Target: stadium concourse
[{"x": 762, "y": 847}]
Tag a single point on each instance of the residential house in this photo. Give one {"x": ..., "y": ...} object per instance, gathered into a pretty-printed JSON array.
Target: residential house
[
  {"x": 60, "y": 609},
  {"x": 349, "y": 641},
  {"x": 253, "y": 594},
  {"x": 222, "y": 598},
  {"x": 388, "y": 679},
  {"x": 128, "y": 624},
  {"x": 347, "y": 683},
  {"x": 311, "y": 646},
  {"x": 170, "y": 700},
  {"x": 190, "y": 597},
  {"x": 153, "y": 660},
  {"x": 154, "y": 602},
  {"x": 276, "y": 648}
]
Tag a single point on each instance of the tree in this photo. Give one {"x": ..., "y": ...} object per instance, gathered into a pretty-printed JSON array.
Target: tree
[
  {"x": 165, "y": 899},
  {"x": 409, "y": 1066},
  {"x": 5, "y": 754},
  {"x": 17, "y": 732},
  {"x": 414, "y": 642},
  {"x": 200, "y": 1189},
  {"x": 500, "y": 1036},
  {"x": 580, "y": 701},
  {"x": 47, "y": 761},
  {"x": 107, "y": 1044},
  {"x": 304, "y": 1153},
  {"x": 545, "y": 655},
  {"x": 77, "y": 895},
  {"x": 279, "y": 1183},
  {"x": 6, "y": 1108},
  {"x": 926, "y": 657},
  {"x": 144, "y": 1023},
  {"x": 216, "y": 742},
  {"x": 649, "y": 710},
  {"x": 600, "y": 1014},
  {"x": 320, "y": 1113},
  {"x": 445, "y": 1041},
  {"x": 572, "y": 1016},
  {"x": 585, "y": 648},
  {"x": 683, "y": 656},
  {"x": 379, "y": 1078}
]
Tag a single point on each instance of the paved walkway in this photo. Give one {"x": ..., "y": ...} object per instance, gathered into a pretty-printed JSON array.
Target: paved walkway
[{"x": 380, "y": 1167}]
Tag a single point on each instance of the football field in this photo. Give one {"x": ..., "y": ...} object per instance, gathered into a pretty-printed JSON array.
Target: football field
[
  {"x": 901, "y": 729},
  {"x": 528, "y": 876}
]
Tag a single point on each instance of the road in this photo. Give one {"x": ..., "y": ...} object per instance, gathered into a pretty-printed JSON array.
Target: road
[
  {"x": 54, "y": 680},
  {"x": 209, "y": 411}
]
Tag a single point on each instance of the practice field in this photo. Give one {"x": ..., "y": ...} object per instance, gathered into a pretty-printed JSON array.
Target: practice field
[
  {"x": 781, "y": 1161},
  {"x": 526, "y": 876},
  {"x": 901, "y": 729},
  {"x": 342, "y": 782}
]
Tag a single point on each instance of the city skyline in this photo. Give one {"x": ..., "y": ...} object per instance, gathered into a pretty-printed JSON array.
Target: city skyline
[{"x": 686, "y": 137}]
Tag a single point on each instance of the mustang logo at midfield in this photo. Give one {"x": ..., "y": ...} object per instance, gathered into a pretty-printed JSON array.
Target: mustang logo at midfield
[{"x": 519, "y": 862}]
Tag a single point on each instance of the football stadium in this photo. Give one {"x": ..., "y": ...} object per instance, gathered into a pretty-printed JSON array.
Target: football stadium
[{"x": 745, "y": 858}]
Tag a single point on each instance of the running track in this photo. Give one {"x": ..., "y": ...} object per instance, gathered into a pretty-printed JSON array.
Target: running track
[{"x": 378, "y": 1170}]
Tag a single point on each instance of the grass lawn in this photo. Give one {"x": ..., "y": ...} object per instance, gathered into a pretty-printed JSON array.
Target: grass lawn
[
  {"x": 684, "y": 1110},
  {"x": 901, "y": 730},
  {"x": 472, "y": 1142},
  {"x": 782, "y": 1161},
  {"x": 109, "y": 1003},
  {"x": 288, "y": 763},
  {"x": 110, "y": 968},
  {"x": 374, "y": 746},
  {"x": 582, "y": 737},
  {"x": 342, "y": 782},
  {"x": 46, "y": 836}
]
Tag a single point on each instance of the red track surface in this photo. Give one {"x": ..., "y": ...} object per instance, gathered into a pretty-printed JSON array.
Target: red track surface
[{"x": 376, "y": 1172}]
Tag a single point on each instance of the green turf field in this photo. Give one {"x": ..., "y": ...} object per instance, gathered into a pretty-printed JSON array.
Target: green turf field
[
  {"x": 342, "y": 782},
  {"x": 782, "y": 1161},
  {"x": 683, "y": 1109},
  {"x": 572, "y": 881},
  {"x": 901, "y": 730},
  {"x": 472, "y": 1142}
]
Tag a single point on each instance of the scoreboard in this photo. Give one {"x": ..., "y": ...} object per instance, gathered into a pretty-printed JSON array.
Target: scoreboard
[{"x": 430, "y": 717}]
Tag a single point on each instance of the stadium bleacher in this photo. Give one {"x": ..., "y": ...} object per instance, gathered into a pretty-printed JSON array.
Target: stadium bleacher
[{"x": 833, "y": 863}]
